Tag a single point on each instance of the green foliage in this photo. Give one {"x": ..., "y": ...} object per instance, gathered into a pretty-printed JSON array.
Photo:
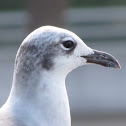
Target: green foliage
[{"x": 91, "y": 3}]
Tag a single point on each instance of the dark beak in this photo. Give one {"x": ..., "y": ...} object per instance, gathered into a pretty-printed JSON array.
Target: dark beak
[{"x": 103, "y": 59}]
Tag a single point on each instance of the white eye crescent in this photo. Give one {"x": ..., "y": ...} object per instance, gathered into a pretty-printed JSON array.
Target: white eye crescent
[{"x": 68, "y": 43}]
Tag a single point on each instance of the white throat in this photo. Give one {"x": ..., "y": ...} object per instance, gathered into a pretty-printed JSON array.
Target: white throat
[
  {"x": 48, "y": 104},
  {"x": 54, "y": 99}
]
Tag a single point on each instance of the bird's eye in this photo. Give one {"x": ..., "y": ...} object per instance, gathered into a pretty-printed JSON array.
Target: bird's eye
[{"x": 68, "y": 44}]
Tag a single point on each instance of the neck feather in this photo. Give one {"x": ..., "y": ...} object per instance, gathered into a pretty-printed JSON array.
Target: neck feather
[{"x": 44, "y": 94}]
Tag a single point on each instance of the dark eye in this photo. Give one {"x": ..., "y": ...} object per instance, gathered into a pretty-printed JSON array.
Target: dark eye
[{"x": 68, "y": 44}]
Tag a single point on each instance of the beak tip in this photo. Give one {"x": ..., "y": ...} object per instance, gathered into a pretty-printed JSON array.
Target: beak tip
[
  {"x": 115, "y": 64},
  {"x": 118, "y": 66}
]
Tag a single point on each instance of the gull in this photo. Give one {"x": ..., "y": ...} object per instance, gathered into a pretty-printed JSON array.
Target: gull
[{"x": 38, "y": 95}]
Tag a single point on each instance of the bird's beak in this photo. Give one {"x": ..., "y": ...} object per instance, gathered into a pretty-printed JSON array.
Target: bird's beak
[{"x": 103, "y": 59}]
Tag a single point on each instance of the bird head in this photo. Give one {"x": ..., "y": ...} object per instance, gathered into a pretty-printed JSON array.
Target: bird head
[{"x": 56, "y": 49}]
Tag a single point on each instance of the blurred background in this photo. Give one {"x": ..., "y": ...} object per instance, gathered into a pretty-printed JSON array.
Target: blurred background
[{"x": 97, "y": 94}]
